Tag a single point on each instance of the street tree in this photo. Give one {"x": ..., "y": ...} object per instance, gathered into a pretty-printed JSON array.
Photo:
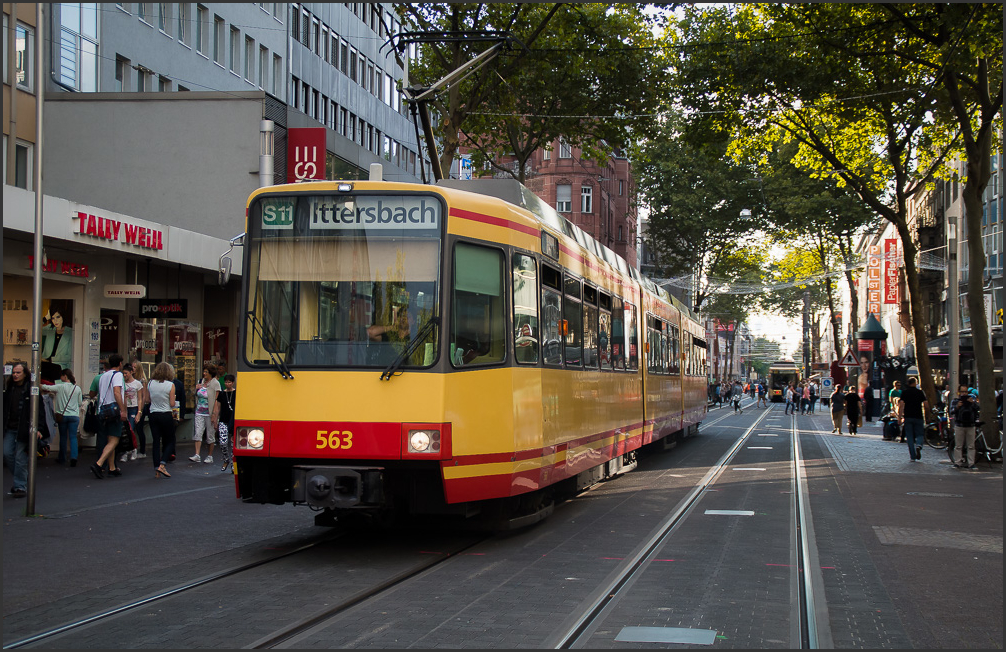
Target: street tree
[
  {"x": 701, "y": 203},
  {"x": 583, "y": 72},
  {"x": 837, "y": 80}
]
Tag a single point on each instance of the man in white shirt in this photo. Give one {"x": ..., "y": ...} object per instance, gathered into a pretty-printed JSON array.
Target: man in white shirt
[{"x": 110, "y": 393}]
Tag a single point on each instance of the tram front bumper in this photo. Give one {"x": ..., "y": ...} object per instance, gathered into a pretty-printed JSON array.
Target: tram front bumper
[{"x": 338, "y": 487}]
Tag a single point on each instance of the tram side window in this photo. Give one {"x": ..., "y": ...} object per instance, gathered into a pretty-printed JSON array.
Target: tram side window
[
  {"x": 604, "y": 331},
  {"x": 478, "y": 317},
  {"x": 525, "y": 309},
  {"x": 590, "y": 341},
  {"x": 631, "y": 327},
  {"x": 617, "y": 334},
  {"x": 653, "y": 356},
  {"x": 573, "y": 325},
  {"x": 551, "y": 316},
  {"x": 673, "y": 352}
]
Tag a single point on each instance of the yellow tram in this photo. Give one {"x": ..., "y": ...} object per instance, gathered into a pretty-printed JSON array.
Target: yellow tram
[{"x": 432, "y": 350}]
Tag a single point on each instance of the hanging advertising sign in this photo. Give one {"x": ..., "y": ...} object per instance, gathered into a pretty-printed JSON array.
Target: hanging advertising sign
[
  {"x": 890, "y": 271},
  {"x": 874, "y": 280},
  {"x": 125, "y": 291},
  {"x": 305, "y": 157}
]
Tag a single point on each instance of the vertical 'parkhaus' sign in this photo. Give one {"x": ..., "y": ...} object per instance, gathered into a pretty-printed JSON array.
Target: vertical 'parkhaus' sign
[{"x": 380, "y": 212}]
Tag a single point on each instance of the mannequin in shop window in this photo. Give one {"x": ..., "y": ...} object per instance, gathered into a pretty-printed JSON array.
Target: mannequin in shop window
[{"x": 57, "y": 338}]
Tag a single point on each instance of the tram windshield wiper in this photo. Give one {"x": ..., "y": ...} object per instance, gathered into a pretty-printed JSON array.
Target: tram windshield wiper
[
  {"x": 410, "y": 348},
  {"x": 276, "y": 361}
]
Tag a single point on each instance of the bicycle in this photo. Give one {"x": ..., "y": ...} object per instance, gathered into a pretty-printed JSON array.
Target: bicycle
[
  {"x": 982, "y": 447},
  {"x": 939, "y": 433}
]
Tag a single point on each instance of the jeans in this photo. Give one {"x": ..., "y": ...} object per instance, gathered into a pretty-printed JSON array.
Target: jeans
[
  {"x": 790, "y": 405},
  {"x": 68, "y": 431},
  {"x": 162, "y": 430},
  {"x": 15, "y": 456},
  {"x": 914, "y": 430}
]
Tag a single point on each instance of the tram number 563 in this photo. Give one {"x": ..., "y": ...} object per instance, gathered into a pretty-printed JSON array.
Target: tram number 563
[{"x": 334, "y": 439}]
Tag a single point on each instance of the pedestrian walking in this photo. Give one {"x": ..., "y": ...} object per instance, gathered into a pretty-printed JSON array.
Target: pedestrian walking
[
  {"x": 135, "y": 401},
  {"x": 737, "y": 395},
  {"x": 111, "y": 414},
  {"x": 17, "y": 426},
  {"x": 206, "y": 396},
  {"x": 853, "y": 414},
  {"x": 965, "y": 419},
  {"x": 223, "y": 416},
  {"x": 144, "y": 410},
  {"x": 791, "y": 398},
  {"x": 761, "y": 395},
  {"x": 912, "y": 409},
  {"x": 66, "y": 411},
  {"x": 161, "y": 389},
  {"x": 813, "y": 397},
  {"x": 837, "y": 409}
]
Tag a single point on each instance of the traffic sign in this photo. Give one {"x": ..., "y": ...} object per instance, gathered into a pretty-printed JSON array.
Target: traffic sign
[
  {"x": 826, "y": 382},
  {"x": 850, "y": 359}
]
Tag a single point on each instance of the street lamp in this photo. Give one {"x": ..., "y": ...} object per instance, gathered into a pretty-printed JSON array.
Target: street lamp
[{"x": 953, "y": 334}]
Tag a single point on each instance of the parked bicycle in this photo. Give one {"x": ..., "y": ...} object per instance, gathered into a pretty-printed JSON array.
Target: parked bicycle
[
  {"x": 982, "y": 447},
  {"x": 939, "y": 434}
]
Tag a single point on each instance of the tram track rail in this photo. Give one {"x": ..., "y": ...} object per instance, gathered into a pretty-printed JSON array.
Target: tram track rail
[
  {"x": 810, "y": 618},
  {"x": 167, "y": 593}
]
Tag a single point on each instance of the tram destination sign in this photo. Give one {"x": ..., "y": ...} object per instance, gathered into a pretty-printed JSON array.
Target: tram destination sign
[{"x": 381, "y": 212}]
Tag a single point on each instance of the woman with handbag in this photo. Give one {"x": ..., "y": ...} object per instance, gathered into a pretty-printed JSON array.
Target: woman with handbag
[
  {"x": 66, "y": 413},
  {"x": 161, "y": 391}
]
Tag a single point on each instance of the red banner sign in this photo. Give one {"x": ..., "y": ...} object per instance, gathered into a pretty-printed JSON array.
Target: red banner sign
[
  {"x": 305, "y": 157},
  {"x": 890, "y": 271},
  {"x": 874, "y": 281}
]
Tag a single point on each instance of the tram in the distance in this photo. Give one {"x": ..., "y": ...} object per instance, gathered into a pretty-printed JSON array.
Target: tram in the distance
[
  {"x": 780, "y": 375},
  {"x": 416, "y": 349}
]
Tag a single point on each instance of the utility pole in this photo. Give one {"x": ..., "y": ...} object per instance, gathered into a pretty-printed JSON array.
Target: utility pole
[
  {"x": 806, "y": 333},
  {"x": 36, "y": 327},
  {"x": 953, "y": 301}
]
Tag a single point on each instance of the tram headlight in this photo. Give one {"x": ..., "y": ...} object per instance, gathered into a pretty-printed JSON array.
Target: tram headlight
[
  {"x": 424, "y": 441},
  {"x": 250, "y": 438}
]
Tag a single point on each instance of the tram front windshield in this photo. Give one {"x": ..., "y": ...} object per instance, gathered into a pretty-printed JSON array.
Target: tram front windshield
[{"x": 342, "y": 280}]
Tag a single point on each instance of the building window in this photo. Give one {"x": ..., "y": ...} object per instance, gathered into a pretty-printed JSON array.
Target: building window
[
  {"x": 163, "y": 16},
  {"x": 163, "y": 84},
  {"x": 202, "y": 29},
  {"x": 621, "y": 187},
  {"x": 23, "y": 153},
  {"x": 249, "y": 58},
  {"x": 121, "y": 73},
  {"x": 620, "y": 239},
  {"x": 235, "y": 50},
  {"x": 586, "y": 199},
  {"x": 563, "y": 198},
  {"x": 24, "y": 57},
  {"x": 184, "y": 15},
  {"x": 277, "y": 74},
  {"x": 564, "y": 149},
  {"x": 263, "y": 66},
  {"x": 218, "y": 39},
  {"x": 78, "y": 46},
  {"x": 546, "y": 154},
  {"x": 295, "y": 21}
]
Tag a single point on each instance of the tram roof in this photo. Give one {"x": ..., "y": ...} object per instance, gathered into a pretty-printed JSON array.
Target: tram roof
[{"x": 516, "y": 193}]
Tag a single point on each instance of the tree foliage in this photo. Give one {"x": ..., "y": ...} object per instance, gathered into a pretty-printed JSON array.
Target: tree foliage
[
  {"x": 585, "y": 72},
  {"x": 855, "y": 86}
]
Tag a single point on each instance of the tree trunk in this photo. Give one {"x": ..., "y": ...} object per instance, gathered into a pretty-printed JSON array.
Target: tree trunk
[
  {"x": 918, "y": 315},
  {"x": 980, "y": 339}
]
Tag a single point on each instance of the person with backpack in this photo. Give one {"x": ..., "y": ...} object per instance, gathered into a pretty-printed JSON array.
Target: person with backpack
[
  {"x": 965, "y": 419},
  {"x": 837, "y": 409}
]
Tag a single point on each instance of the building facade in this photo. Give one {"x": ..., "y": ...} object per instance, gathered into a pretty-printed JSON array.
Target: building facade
[{"x": 159, "y": 120}]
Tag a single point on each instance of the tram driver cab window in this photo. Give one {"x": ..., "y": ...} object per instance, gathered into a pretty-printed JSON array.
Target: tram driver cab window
[{"x": 478, "y": 308}]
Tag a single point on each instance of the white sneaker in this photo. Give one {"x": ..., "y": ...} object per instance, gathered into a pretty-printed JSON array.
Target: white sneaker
[
  {"x": 208, "y": 460},
  {"x": 139, "y": 456},
  {"x": 124, "y": 458},
  {"x": 195, "y": 458},
  {"x": 133, "y": 455}
]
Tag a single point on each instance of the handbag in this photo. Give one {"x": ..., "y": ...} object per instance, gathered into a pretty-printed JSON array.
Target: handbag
[
  {"x": 127, "y": 439},
  {"x": 58, "y": 416},
  {"x": 108, "y": 412},
  {"x": 91, "y": 417}
]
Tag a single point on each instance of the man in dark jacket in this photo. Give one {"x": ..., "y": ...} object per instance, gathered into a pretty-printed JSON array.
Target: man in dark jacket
[{"x": 17, "y": 424}]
